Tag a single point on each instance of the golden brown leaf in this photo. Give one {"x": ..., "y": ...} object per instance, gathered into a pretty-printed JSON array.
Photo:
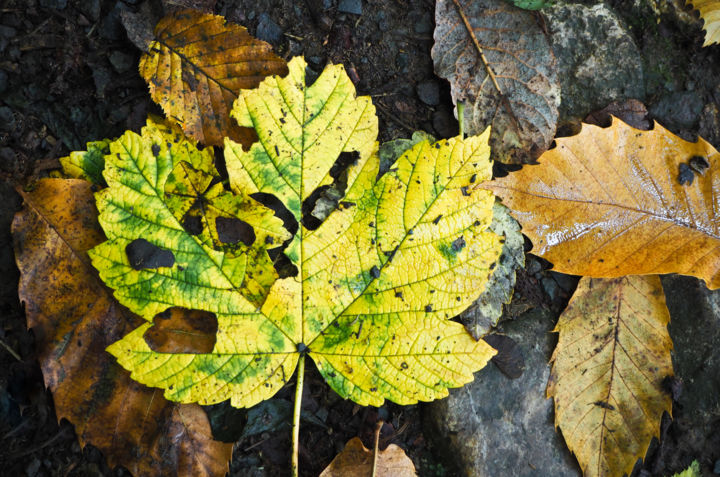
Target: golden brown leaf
[
  {"x": 608, "y": 203},
  {"x": 197, "y": 65},
  {"x": 612, "y": 356},
  {"x": 356, "y": 460},
  {"x": 75, "y": 318}
]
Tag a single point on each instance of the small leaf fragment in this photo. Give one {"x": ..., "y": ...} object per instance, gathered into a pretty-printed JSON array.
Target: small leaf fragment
[
  {"x": 531, "y": 4},
  {"x": 356, "y": 460},
  {"x": 692, "y": 471},
  {"x": 608, "y": 368},
  {"x": 87, "y": 164}
]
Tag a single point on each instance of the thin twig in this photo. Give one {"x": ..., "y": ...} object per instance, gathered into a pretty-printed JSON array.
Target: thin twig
[
  {"x": 378, "y": 427},
  {"x": 10, "y": 350},
  {"x": 489, "y": 70}
]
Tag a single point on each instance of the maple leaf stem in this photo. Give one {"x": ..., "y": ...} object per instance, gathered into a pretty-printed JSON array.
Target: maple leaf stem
[
  {"x": 461, "y": 118},
  {"x": 296, "y": 415}
]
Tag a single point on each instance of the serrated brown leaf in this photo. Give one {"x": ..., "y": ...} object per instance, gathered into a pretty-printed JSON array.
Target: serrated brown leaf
[
  {"x": 75, "y": 318},
  {"x": 612, "y": 357},
  {"x": 523, "y": 123},
  {"x": 609, "y": 202},
  {"x": 356, "y": 460},
  {"x": 195, "y": 68}
]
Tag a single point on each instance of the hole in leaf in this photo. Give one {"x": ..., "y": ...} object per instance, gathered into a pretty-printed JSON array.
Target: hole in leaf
[
  {"x": 281, "y": 212},
  {"x": 232, "y": 230},
  {"x": 142, "y": 255},
  {"x": 323, "y": 200},
  {"x": 192, "y": 223},
  {"x": 179, "y": 330}
]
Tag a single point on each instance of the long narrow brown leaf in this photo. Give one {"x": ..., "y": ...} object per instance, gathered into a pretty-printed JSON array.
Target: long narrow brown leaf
[{"x": 75, "y": 318}]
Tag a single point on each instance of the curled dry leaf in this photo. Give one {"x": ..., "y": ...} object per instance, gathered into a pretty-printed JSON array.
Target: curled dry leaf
[
  {"x": 612, "y": 356},
  {"x": 195, "y": 68},
  {"x": 520, "y": 98},
  {"x": 74, "y": 317},
  {"x": 356, "y": 460},
  {"x": 608, "y": 203},
  {"x": 710, "y": 13}
]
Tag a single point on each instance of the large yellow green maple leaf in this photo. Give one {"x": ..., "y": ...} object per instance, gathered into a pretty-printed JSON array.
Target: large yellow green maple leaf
[{"x": 377, "y": 282}]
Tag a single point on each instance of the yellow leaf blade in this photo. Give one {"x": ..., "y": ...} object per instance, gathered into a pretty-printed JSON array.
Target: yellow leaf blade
[
  {"x": 195, "y": 67},
  {"x": 608, "y": 202},
  {"x": 612, "y": 356}
]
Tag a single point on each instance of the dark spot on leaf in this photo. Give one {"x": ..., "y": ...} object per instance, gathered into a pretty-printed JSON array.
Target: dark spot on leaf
[
  {"x": 269, "y": 240},
  {"x": 436, "y": 220},
  {"x": 232, "y": 230},
  {"x": 404, "y": 365},
  {"x": 375, "y": 272},
  {"x": 492, "y": 266},
  {"x": 373, "y": 390},
  {"x": 459, "y": 244},
  {"x": 192, "y": 223},
  {"x": 346, "y": 204},
  {"x": 155, "y": 148},
  {"x": 398, "y": 295},
  {"x": 465, "y": 192},
  {"x": 142, "y": 255},
  {"x": 699, "y": 164},
  {"x": 604, "y": 405},
  {"x": 685, "y": 174},
  {"x": 473, "y": 178},
  {"x": 428, "y": 308}
]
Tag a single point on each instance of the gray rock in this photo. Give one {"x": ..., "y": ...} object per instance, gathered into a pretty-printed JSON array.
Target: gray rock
[
  {"x": 90, "y": 8},
  {"x": 3, "y": 81},
  {"x": 121, "y": 61},
  {"x": 7, "y": 119},
  {"x": 716, "y": 469},
  {"x": 678, "y": 110},
  {"x": 497, "y": 426},
  {"x": 268, "y": 30},
  {"x": 695, "y": 332},
  {"x": 424, "y": 25},
  {"x": 429, "y": 92},
  {"x": 350, "y": 6},
  {"x": 598, "y": 61},
  {"x": 550, "y": 286},
  {"x": 444, "y": 123},
  {"x": 709, "y": 128},
  {"x": 54, "y": 4}
]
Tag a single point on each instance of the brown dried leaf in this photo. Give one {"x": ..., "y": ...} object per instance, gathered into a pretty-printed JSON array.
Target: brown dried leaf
[
  {"x": 179, "y": 330},
  {"x": 520, "y": 57},
  {"x": 609, "y": 202},
  {"x": 356, "y": 460},
  {"x": 197, "y": 65},
  {"x": 75, "y": 318},
  {"x": 612, "y": 357},
  {"x": 630, "y": 111}
]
